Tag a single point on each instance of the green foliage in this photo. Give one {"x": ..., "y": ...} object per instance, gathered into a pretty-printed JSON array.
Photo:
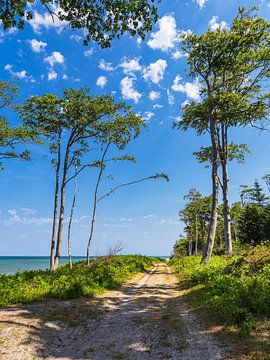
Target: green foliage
[
  {"x": 102, "y": 274},
  {"x": 12, "y": 137},
  {"x": 235, "y": 289},
  {"x": 101, "y": 20}
]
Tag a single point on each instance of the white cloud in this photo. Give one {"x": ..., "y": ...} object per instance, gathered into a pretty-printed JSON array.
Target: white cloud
[
  {"x": 77, "y": 38},
  {"x": 37, "y": 46},
  {"x": 214, "y": 25},
  {"x": 192, "y": 90},
  {"x": 101, "y": 81},
  {"x": 106, "y": 66},
  {"x": 178, "y": 54},
  {"x": 147, "y": 115},
  {"x": 166, "y": 37},
  {"x": 201, "y": 3},
  {"x": 52, "y": 75},
  {"x": 27, "y": 211},
  {"x": 4, "y": 33},
  {"x": 22, "y": 75},
  {"x": 65, "y": 77},
  {"x": 170, "y": 97},
  {"x": 15, "y": 218},
  {"x": 89, "y": 53},
  {"x": 130, "y": 66},
  {"x": 157, "y": 106},
  {"x": 55, "y": 58},
  {"x": 127, "y": 90},
  {"x": 40, "y": 21},
  {"x": 154, "y": 95},
  {"x": 155, "y": 71}
]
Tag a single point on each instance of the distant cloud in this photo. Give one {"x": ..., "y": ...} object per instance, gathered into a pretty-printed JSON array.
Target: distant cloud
[
  {"x": 178, "y": 54},
  {"x": 201, "y": 3},
  {"x": 147, "y": 116},
  {"x": 170, "y": 97},
  {"x": 40, "y": 21},
  {"x": 127, "y": 90},
  {"x": 16, "y": 218},
  {"x": 192, "y": 90},
  {"x": 5, "y": 33},
  {"x": 101, "y": 81},
  {"x": 55, "y": 58},
  {"x": 214, "y": 25},
  {"x": 89, "y": 53},
  {"x": 154, "y": 95},
  {"x": 106, "y": 66},
  {"x": 130, "y": 66},
  {"x": 166, "y": 37},
  {"x": 52, "y": 75},
  {"x": 155, "y": 71},
  {"x": 157, "y": 106},
  {"x": 22, "y": 75},
  {"x": 37, "y": 46},
  {"x": 76, "y": 38}
]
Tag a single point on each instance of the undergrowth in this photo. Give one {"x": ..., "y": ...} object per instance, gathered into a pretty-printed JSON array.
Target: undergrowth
[
  {"x": 102, "y": 274},
  {"x": 236, "y": 289}
]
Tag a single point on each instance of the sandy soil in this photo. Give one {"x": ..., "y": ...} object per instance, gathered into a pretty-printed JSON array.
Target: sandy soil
[{"x": 145, "y": 319}]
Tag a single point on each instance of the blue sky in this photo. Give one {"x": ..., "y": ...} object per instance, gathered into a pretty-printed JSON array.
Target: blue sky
[{"x": 150, "y": 76}]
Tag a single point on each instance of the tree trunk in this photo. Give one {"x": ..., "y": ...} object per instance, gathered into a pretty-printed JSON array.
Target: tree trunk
[
  {"x": 190, "y": 246},
  {"x": 225, "y": 191},
  {"x": 203, "y": 235},
  {"x": 95, "y": 203},
  {"x": 71, "y": 217},
  {"x": 62, "y": 206},
  {"x": 56, "y": 195},
  {"x": 215, "y": 189},
  {"x": 197, "y": 236}
]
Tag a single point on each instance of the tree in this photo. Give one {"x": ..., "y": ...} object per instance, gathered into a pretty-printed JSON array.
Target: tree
[
  {"x": 266, "y": 178},
  {"x": 10, "y": 137},
  {"x": 253, "y": 195},
  {"x": 70, "y": 124},
  {"x": 101, "y": 20},
  {"x": 231, "y": 65}
]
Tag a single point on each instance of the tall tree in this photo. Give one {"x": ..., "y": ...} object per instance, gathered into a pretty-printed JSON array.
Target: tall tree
[
  {"x": 231, "y": 65},
  {"x": 101, "y": 20},
  {"x": 71, "y": 124}
]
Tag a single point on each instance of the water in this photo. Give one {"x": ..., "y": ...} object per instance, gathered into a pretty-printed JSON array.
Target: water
[{"x": 12, "y": 264}]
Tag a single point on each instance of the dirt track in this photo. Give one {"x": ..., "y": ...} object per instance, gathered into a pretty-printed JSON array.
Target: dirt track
[{"x": 145, "y": 319}]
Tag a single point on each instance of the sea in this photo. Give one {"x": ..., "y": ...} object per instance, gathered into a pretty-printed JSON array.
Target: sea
[{"x": 14, "y": 264}]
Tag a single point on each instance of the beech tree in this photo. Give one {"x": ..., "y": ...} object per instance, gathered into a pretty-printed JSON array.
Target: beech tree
[
  {"x": 101, "y": 20},
  {"x": 231, "y": 65},
  {"x": 70, "y": 125}
]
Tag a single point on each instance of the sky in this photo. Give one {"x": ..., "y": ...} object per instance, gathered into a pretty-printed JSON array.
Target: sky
[{"x": 150, "y": 75}]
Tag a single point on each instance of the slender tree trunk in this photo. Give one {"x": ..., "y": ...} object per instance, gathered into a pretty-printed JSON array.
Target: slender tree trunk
[
  {"x": 56, "y": 195},
  {"x": 93, "y": 219},
  {"x": 215, "y": 189},
  {"x": 203, "y": 236},
  {"x": 62, "y": 206},
  {"x": 190, "y": 246},
  {"x": 71, "y": 218},
  {"x": 225, "y": 191},
  {"x": 196, "y": 236}
]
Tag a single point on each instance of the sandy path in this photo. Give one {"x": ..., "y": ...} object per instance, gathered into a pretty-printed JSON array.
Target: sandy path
[{"x": 145, "y": 319}]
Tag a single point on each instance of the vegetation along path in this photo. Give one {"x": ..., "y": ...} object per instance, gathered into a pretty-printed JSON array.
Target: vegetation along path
[{"x": 145, "y": 319}]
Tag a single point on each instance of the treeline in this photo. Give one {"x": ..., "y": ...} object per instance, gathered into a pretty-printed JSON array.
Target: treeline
[
  {"x": 231, "y": 65},
  {"x": 250, "y": 221}
]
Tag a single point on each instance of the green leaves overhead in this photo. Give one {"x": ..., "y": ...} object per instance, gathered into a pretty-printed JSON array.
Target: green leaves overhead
[{"x": 102, "y": 20}]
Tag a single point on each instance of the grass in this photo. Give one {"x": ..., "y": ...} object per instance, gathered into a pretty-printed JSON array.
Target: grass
[
  {"x": 235, "y": 293},
  {"x": 83, "y": 281}
]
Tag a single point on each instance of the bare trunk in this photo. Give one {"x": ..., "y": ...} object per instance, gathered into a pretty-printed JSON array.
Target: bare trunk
[
  {"x": 56, "y": 195},
  {"x": 215, "y": 188},
  {"x": 197, "y": 236},
  {"x": 225, "y": 191},
  {"x": 62, "y": 206},
  {"x": 71, "y": 218},
  {"x": 203, "y": 236},
  {"x": 190, "y": 247},
  {"x": 93, "y": 219}
]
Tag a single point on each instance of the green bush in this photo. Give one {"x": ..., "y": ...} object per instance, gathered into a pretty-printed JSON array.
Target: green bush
[
  {"x": 102, "y": 274},
  {"x": 236, "y": 289}
]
